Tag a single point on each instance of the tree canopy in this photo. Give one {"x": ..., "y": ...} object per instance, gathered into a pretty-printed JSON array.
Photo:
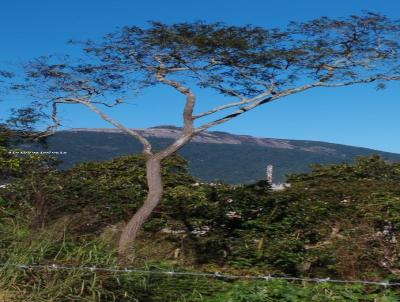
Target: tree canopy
[{"x": 252, "y": 64}]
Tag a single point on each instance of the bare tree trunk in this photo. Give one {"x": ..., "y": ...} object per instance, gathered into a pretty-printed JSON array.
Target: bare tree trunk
[{"x": 155, "y": 191}]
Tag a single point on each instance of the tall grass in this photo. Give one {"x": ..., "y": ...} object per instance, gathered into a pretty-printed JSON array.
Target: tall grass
[{"x": 19, "y": 244}]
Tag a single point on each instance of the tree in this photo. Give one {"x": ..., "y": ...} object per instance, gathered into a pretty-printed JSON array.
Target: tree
[
  {"x": 5, "y": 133},
  {"x": 248, "y": 66}
]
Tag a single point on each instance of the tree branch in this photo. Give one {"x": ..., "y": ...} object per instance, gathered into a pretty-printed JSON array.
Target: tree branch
[
  {"x": 362, "y": 81},
  {"x": 234, "y": 114},
  {"x": 147, "y": 148},
  {"x": 234, "y": 104},
  {"x": 255, "y": 102},
  {"x": 187, "y": 114},
  {"x": 50, "y": 130}
]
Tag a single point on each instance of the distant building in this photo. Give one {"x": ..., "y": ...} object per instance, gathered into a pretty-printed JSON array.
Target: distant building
[
  {"x": 269, "y": 173},
  {"x": 269, "y": 178}
]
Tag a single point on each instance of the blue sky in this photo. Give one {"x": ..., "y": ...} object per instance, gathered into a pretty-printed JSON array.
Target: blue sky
[{"x": 359, "y": 116}]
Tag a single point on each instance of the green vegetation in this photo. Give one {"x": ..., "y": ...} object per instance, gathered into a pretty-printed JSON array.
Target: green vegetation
[{"x": 339, "y": 221}]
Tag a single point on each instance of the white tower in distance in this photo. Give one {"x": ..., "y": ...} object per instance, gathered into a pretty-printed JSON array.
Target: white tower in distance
[{"x": 269, "y": 173}]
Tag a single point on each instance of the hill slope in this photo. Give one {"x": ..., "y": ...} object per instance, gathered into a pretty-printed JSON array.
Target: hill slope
[{"x": 212, "y": 155}]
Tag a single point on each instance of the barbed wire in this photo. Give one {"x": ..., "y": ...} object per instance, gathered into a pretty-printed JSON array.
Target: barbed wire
[{"x": 195, "y": 274}]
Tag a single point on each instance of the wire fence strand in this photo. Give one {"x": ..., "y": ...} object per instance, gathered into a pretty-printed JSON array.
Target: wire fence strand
[{"x": 217, "y": 275}]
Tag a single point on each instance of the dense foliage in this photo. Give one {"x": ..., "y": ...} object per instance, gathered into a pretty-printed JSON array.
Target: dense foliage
[
  {"x": 336, "y": 221},
  {"x": 93, "y": 195}
]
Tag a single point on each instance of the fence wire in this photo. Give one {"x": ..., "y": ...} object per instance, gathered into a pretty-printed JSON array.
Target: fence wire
[{"x": 217, "y": 275}]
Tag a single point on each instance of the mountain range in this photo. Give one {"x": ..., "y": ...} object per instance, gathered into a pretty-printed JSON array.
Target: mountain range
[{"x": 212, "y": 155}]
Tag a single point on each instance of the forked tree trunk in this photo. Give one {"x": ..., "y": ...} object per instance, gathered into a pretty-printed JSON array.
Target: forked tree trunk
[{"x": 155, "y": 191}]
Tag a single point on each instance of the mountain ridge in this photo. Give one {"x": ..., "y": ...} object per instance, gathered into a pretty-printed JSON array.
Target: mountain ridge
[
  {"x": 228, "y": 138},
  {"x": 204, "y": 137}
]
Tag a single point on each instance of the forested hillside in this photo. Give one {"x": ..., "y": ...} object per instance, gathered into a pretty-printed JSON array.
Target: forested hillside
[{"x": 212, "y": 156}]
